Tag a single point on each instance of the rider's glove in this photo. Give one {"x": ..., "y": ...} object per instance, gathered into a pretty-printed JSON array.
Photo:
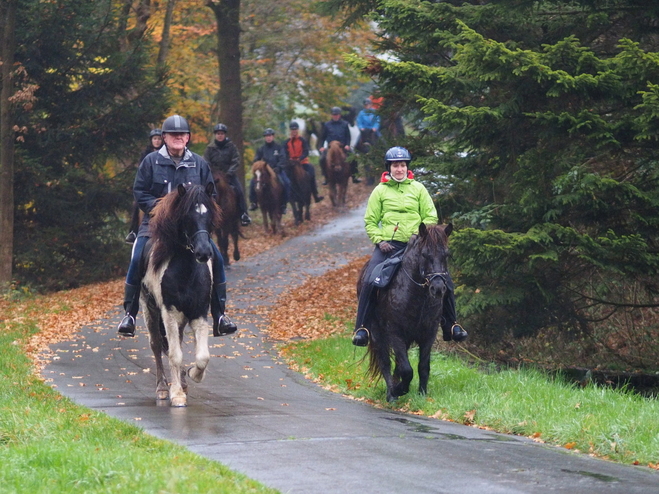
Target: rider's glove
[{"x": 386, "y": 247}]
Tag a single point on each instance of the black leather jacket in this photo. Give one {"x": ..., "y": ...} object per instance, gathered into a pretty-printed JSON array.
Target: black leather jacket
[
  {"x": 158, "y": 175},
  {"x": 222, "y": 156},
  {"x": 335, "y": 131}
]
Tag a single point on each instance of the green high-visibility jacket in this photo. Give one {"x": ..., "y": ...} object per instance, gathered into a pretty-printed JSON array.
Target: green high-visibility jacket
[{"x": 406, "y": 204}]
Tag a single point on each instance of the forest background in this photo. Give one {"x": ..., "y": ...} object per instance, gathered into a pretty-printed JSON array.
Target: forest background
[{"x": 533, "y": 123}]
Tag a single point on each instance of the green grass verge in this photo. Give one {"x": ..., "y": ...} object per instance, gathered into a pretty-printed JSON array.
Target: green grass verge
[
  {"x": 618, "y": 425},
  {"x": 48, "y": 444}
]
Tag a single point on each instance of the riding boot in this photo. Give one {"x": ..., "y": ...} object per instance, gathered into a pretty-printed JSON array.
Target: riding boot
[
  {"x": 314, "y": 192},
  {"x": 131, "y": 306},
  {"x": 253, "y": 206},
  {"x": 451, "y": 330},
  {"x": 221, "y": 323},
  {"x": 361, "y": 334}
]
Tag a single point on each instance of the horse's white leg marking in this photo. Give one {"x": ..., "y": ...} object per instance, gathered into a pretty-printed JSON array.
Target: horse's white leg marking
[
  {"x": 173, "y": 320},
  {"x": 152, "y": 281},
  {"x": 202, "y": 355}
]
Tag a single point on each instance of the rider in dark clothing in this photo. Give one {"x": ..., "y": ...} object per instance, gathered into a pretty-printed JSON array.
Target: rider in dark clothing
[
  {"x": 155, "y": 143},
  {"x": 273, "y": 155},
  {"x": 160, "y": 173},
  {"x": 297, "y": 148},
  {"x": 336, "y": 129},
  {"x": 222, "y": 155}
]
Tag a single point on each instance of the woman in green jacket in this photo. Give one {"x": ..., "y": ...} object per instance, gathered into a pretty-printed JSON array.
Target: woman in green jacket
[{"x": 396, "y": 208}]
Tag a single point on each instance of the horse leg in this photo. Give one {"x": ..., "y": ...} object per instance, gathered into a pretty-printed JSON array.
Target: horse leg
[
  {"x": 332, "y": 188},
  {"x": 236, "y": 251},
  {"x": 266, "y": 227},
  {"x": 173, "y": 327},
  {"x": 424, "y": 366},
  {"x": 202, "y": 356},
  {"x": 403, "y": 371},
  {"x": 152, "y": 321}
]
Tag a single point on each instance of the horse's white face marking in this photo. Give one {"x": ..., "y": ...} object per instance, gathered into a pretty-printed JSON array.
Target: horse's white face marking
[
  {"x": 201, "y": 209},
  {"x": 257, "y": 174}
]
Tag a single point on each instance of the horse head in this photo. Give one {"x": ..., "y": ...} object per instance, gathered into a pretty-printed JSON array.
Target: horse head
[
  {"x": 199, "y": 221},
  {"x": 263, "y": 175},
  {"x": 428, "y": 255}
]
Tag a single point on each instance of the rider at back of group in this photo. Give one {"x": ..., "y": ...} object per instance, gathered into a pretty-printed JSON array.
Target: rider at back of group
[
  {"x": 367, "y": 119},
  {"x": 273, "y": 154},
  {"x": 297, "y": 148},
  {"x": 155, "y": 143},
  {"x": 222, "y": 156},
  {"x": 395, "y": 209},
  {"x": 336, "y": 129},
  {"x": 160, "y": 173}
]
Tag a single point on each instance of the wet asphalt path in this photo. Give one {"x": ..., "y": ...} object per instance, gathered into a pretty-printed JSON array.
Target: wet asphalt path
[{"x": 258, "y": 417}]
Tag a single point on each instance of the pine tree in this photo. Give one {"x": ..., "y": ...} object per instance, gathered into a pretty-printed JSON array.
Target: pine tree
[{"x": 538, "y": 121}]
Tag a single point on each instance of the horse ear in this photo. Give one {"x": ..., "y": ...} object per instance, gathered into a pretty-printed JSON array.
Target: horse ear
[
  {"x": 210, "y": 188},
  {"x": 181, "y": 190},
  {"x": 423, "y": 230},
  {"x": 448, "y": 229}
]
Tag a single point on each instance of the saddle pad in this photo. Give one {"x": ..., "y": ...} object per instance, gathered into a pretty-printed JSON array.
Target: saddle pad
[{"x": 384, "y": 272}]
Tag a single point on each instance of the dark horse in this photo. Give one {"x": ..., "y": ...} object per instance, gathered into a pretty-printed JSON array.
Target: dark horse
[
  {"x": 300, "y": 191},
  {"x": 176, "y": 285},
  {"x": 409, "y": 311},
  {"x": 338, "y": 173},
  {"x": 269, "y": 193},
  {"x": 230, "y": 224}
]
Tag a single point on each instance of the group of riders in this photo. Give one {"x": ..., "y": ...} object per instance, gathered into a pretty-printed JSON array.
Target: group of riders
[{"x": 395, "y": 209}]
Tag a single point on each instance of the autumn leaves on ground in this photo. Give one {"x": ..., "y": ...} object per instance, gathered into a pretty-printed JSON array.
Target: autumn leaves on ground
[{"x": 61, "y": 314}]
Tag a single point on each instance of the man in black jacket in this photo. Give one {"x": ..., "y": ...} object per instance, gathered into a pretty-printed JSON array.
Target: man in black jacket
[
  {"x": 222, "y": 155},
  {"x": 336, "y": 129},
  {"x": 272, "y": 153},
  {"x": 160, "y": 173}
]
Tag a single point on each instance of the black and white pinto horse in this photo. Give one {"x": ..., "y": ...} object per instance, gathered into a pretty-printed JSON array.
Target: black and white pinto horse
[
  {"x": 409, "y": 311},
  {"x": 176, "y": 283}
]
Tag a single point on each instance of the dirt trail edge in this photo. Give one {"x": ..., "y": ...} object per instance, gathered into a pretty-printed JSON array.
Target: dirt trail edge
[{"x": 256, "y": 416}]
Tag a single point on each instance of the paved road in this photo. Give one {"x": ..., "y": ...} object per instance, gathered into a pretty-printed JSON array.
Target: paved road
[{"x": 258, "y": 417}]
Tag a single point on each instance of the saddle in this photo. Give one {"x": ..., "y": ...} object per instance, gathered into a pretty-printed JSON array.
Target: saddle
[{"x": 384, "y": 272}]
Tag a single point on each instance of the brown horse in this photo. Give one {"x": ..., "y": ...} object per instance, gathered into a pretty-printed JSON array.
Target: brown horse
[
  {"x": 269, "y": 196},
  {"x": 338, "y": 173},
  {"x": 300, "y": 191},
  {"x": 230, "y": 225}
]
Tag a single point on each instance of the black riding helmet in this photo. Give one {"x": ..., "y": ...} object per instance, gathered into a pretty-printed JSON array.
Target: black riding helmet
[
  {"x": 175, "y": 123},
  {"x": 268, "y": 132},
  {"x": 294, "y": 126},
  {"x": 221, "y": 128},
  {"x": 155, "y": 132}
]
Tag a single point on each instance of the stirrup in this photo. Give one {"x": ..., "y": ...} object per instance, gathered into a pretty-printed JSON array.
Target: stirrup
[
  {"x": 127, "y": 329},
  {"x": 458, "y": 333},
  {"x": 223, "y": 326},
  {"x": 360, "y": 340}
]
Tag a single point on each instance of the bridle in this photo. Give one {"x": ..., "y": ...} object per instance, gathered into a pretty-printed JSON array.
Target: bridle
[
  {"x": 428, "y": 279},
  {"x": 189, "y": 239}
]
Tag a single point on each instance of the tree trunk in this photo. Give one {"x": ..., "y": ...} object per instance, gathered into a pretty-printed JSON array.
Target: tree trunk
[
  {"x": 7, "y": 30},
  {"x": 227, "y": 14},
  {"x": 164, "y": 40}
]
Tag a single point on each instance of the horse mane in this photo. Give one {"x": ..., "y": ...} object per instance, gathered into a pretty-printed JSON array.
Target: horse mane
[
  {"x": 264, "y": 167},
  {"x": 435, "y": 237},
  {"x": 168, "y": 219},
  {"x": 335, "y": 152}
]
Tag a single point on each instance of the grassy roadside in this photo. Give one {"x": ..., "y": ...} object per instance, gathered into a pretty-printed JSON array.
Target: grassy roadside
[
  {"x": 616, "y": 425},
  {"x": 49, "y": 444}
]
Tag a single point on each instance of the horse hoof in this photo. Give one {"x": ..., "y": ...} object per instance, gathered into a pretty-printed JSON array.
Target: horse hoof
[
  {"x": 179, "y": 402},
  {"x": 162, "y": 395},
  {"x": 195, "y": 374}
]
